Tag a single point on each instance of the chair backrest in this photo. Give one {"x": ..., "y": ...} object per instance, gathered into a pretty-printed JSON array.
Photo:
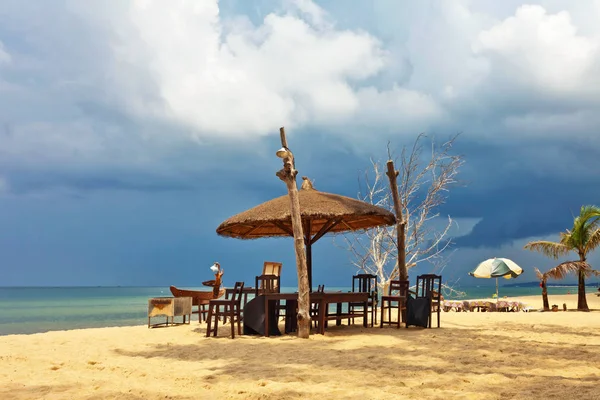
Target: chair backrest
[
  {"x": 266, "y": 284},
  {"x": 236, "y": 295},
  {"x": 272, "y": 268},
  {"x": 364, "y": 283},
  {"x": 429, "y": 285},
  {"x": 398, "y": 288}
]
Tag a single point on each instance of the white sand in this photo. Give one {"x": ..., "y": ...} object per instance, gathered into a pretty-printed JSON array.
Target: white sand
[{"x": 551, "y": 355}]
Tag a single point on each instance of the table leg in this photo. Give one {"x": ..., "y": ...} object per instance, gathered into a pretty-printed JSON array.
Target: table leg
[
  {"x": 338, "y": 312},
  {"x": 365, "y": 314},
  {"x": 288, "y": 317},
  {"x": 322, "y": 314}
]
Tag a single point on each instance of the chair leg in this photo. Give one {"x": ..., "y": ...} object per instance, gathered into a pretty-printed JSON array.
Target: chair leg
[
  {"x": 232, "y": 321},
  {"x": 202, "y": 312},
  {"x": 239, "y": 323},
  {"x": 217, "y": 315},
  {"x": 208, "y": 321},
  {"x": 374, "y": 317}
]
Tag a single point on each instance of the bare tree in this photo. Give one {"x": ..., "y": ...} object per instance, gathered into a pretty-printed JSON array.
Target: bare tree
[{"x": 423, "y": 184}]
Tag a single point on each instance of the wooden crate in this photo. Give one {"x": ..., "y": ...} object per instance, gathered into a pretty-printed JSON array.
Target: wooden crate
[{"x": 170, "y": 307}]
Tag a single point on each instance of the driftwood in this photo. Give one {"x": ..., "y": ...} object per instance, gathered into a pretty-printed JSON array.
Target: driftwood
[{"x": 288, "y": 175}]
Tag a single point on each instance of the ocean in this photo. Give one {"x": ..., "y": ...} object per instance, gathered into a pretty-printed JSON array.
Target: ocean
[{"x": 27, "y": 310}]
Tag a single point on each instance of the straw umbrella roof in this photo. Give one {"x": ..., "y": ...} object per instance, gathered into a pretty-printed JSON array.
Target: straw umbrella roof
[{"x": 321, "y": 213}]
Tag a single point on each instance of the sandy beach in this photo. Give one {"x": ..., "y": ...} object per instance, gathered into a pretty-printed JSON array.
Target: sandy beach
[{"x": 517, "y": 355}]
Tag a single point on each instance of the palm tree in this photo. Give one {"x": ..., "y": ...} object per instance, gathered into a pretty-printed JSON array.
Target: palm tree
[
  {"x": 582, "y": 239},
  {"x": 558, "y": 272}
]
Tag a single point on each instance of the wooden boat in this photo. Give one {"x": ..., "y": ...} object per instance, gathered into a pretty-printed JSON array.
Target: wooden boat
[
  {"x": 201, "y": 298},
  {"x": 197, "y": 295}
]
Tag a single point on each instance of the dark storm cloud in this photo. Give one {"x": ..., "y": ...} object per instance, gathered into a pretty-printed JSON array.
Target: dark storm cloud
[{"x": 519, "y": 191}]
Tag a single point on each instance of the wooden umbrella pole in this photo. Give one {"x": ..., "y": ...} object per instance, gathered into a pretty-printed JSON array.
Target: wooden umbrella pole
[
  {"x": 288, "y": 175},
  {"x": 400, "y": 223}
]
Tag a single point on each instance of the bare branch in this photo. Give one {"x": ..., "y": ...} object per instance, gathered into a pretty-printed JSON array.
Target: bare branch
[{"x": 423, "y": 184}]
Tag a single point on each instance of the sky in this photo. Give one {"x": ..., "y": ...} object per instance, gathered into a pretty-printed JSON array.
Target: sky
[{"x": 129, "y": 130}]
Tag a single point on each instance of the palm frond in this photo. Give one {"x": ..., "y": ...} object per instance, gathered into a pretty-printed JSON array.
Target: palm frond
[
  {"x": 550, "y": 249},
  {"x": 584, "y": 225},
  {"x": 569, "y": 238},
  {"x": 593, "y": 241},
  {"x": 589, "y": 214},
  {"x": 563, "y": 269},
  {"x": 538, "y": 274}
]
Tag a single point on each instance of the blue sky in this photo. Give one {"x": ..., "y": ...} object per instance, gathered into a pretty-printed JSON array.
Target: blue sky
[{"x": 130, "y": 129}]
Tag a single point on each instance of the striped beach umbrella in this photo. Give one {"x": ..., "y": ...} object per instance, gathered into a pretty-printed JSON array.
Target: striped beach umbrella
[{"x": 497, "y": 268}]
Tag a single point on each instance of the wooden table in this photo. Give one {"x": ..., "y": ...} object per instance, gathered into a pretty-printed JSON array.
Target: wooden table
[{"x": 323, "y": 299}]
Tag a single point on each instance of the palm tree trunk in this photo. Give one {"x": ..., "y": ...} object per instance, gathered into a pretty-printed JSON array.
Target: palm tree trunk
[
  {"x": 545, "y": 295},
  {"x": 581, "y": 299}
]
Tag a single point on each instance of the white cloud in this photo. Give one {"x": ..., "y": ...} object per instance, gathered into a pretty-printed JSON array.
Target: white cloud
[
  {"x": 417, "y": 109},
  {"x": 544, "y": 48},
  {"x": 236, "y": 79}
]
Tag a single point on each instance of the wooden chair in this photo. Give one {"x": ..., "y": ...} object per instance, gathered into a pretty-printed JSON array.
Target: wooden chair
[
  {"x": 366, "y": 283},
  {"x": 430, "y": 285},
  {"x": 229, "y": 308},
  {"x": 272, "y": 268},
  {"x": 314, "y": 308},
  {"x": 266, "y": 284},
  {"x": 395, "y": 299},
  {"x": 202, "y": 309}
]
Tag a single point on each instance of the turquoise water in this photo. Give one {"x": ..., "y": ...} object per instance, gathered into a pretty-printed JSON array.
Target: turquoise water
[{"x": 42, "y": 309}]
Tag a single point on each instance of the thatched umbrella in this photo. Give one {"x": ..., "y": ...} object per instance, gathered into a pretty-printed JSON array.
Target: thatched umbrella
[{"x": 321, "y": 213}]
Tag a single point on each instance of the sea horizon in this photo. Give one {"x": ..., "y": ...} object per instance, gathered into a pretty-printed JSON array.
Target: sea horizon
[{"x": 491, "y": 284}]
